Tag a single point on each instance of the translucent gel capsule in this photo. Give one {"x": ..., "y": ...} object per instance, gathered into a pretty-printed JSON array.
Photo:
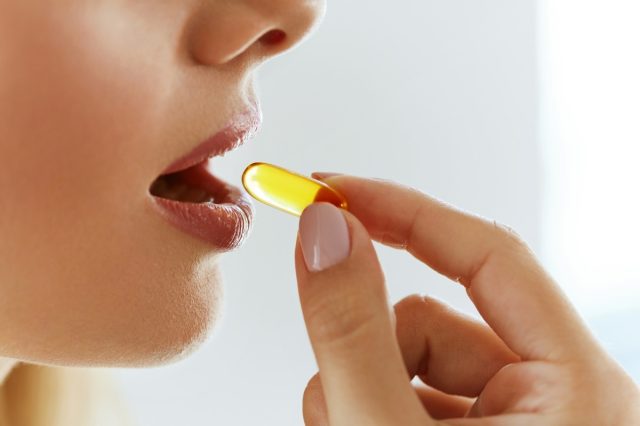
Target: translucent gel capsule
[{"x": 287, "y": 191}]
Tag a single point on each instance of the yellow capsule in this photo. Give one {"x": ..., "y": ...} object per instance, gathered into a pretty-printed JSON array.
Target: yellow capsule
[{"x": 287, "y": 191}]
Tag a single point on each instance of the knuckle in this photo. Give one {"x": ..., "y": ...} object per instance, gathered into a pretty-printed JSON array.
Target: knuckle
[
  {"x": 408, "y": 305},
  {"x": 416, "y": 307},
  {"x": 505, "y": 231},
  {"x": 313, "y": 391},
  {"x": 314, "y": 408},
  {"x": 432, "y": 305},
  {"x": 314, "y": 381},
  {"x": 507, "y": 235}
]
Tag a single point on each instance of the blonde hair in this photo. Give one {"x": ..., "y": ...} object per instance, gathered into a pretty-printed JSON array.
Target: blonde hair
[{"x": 35, "y": 395}]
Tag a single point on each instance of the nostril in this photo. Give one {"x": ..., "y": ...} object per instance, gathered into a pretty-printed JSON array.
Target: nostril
[{"x": 273, "y": 37}]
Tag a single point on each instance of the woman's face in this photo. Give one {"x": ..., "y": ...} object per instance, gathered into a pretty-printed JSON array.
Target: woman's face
[{"x": 97, "y": 99}]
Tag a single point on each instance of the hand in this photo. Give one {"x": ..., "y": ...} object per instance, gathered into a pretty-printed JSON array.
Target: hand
[{"x": 535, "y": 363}]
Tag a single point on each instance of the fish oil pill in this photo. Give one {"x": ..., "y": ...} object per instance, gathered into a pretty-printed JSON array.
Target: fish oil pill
[{"x": 287, "y": 191}]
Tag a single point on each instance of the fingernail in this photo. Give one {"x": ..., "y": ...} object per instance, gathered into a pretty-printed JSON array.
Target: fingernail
[
  {"x": 323, "y": 175},
  {"x": 324, "y": 236}
]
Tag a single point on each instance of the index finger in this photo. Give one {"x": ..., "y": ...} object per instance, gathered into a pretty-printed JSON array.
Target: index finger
[{"x": 512, "y": 292}]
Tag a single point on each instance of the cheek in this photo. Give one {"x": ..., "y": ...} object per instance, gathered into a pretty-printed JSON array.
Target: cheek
[
  {"x": 87, "y": 270},
  {"x": 79, "y": 98}
]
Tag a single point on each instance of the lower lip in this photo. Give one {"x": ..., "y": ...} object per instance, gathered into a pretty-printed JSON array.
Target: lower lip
[{"x": 224, "y": 225}]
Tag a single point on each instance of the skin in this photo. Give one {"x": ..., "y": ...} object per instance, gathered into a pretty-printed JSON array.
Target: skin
[
  {"x": 96, "y": 99},
  {"x": 533, "y": 362}
]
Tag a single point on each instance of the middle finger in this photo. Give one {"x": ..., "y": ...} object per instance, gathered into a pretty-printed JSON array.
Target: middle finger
[{"x": 449, "y": 351}]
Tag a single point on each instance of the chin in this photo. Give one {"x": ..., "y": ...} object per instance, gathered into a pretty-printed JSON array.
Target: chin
[
  {"x": 122, "y": 323},
  {"x": 169, "y": 343},
  {"x": 176, "y": 324}
]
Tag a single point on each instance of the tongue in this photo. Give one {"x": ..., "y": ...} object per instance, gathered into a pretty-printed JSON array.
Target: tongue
[
  {"x": 173, "y": 187},
  {"x": 179, "y": 192}
]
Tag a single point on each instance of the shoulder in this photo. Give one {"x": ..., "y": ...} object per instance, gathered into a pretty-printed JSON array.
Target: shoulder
[{"x": 41, "y": 395}]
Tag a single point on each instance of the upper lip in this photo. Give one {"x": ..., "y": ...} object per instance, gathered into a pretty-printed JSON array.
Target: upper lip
[{"x": 237, "y": 131}]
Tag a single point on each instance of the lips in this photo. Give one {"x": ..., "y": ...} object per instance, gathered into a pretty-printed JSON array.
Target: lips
[{"x": 198, "y": 203}]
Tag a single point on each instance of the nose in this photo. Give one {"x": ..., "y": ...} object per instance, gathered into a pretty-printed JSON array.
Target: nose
[{"x": 224, "y": 31}]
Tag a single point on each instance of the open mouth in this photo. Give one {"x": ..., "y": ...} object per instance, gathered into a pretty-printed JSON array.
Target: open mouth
[
  {"x": 195, "y": 201},
  {"x": 203, "y": 205},
  {"x": 187, "y": 186}
]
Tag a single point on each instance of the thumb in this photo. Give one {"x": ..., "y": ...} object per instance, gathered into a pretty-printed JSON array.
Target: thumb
[{"x": 348, "y": 318}]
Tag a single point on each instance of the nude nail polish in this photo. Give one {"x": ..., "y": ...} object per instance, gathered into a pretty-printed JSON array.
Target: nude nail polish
[{"x": 324, "y": 236}]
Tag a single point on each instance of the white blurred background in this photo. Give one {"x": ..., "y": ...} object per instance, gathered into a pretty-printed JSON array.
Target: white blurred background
[{"x": 522, "y": 111}]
